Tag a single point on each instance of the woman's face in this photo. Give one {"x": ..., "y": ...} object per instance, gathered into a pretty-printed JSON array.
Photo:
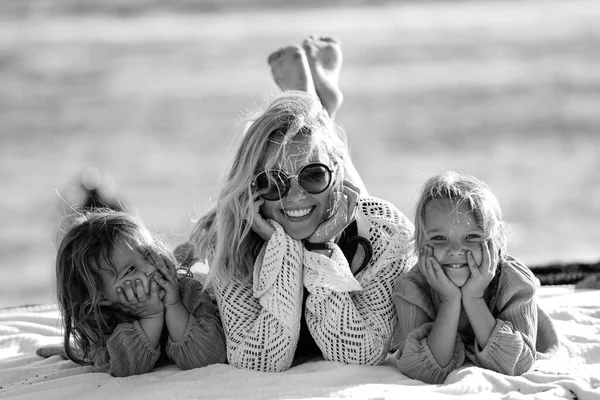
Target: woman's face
[{"x": 298, "y": 212}]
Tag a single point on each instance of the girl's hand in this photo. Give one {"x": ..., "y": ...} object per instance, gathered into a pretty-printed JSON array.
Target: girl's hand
[
  {"x": 436, "y": 277},
  {"x": 259, "y": 224},
  {"x": 342, "y": 216},
  {"x": 481, "y": 275},
  {"x": 166, "y": 278},
  {"x": 133, "y": 299}
]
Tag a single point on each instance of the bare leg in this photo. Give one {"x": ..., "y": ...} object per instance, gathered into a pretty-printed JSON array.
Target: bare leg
[
  {"x": 314, "y": 68},
  {"x": 325, "y": 59},
  {"x": 290, "y": 69},
  {"x": 324, "y": 56}
]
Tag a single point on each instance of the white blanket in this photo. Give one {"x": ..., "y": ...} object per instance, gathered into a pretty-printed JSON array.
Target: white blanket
[{"x": 573, "y": 374}]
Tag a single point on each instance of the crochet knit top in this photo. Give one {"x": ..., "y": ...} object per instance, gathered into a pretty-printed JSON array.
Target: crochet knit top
[
  {"x": 351, "y": 318},
  {"x": 129, "y": 352}
]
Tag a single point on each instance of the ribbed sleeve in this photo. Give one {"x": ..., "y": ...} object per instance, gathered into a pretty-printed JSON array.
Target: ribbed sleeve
[
  {"x": 417, "y": 361},
  {"x": 203, "y": 341},
  {"x": 352, "y": 318},
  {"x": 261, "y": 318},
  {"x": 416, "y": 314},
  {"x": 512, "y": 346},
  {"x": 127, "y": 352}
]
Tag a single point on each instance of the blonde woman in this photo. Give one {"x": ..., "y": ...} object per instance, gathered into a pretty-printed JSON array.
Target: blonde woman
[{"x": 301, "y": 262}]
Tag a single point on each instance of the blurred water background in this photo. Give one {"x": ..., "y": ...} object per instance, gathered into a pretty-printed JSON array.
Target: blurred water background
[{"x": 150, "y": 92}]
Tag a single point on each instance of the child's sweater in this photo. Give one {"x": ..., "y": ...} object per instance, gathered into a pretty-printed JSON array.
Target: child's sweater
[
  {"x": 128, "y": 351},
  {"x": 523, "y": 330}
]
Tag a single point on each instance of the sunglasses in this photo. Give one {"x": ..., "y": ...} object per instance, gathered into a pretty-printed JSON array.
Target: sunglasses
[{"x": 275, "y": 184}]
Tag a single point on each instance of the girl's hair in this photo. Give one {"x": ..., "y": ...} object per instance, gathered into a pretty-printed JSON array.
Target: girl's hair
[
  {"x": 87, "y": 238},
  {"x": 224, "y": 234},
  {"x": 463, "y": 189}
]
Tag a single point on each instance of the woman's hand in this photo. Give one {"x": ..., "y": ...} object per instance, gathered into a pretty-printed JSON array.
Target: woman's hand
[
  {"x": 342, "y": 216},
  {"x": 436, "y": 277},
  {"x": 259, "y": 224},
  {"x": 481, "y": 275},
  {"x": 166, "y": 278}
]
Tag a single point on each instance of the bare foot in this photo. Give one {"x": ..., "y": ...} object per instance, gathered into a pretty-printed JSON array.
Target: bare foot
[
  {"x": 324, "y": 56},
  {"x": 290, "y": 69}
]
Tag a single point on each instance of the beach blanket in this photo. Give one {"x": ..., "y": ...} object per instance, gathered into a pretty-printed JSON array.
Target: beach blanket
[{"x": 574, "y": 373}]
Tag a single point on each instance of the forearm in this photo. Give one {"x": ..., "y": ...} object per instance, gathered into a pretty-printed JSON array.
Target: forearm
[
  {"x": 176, "y": 318},
  {"x": 481, "y": 319},
  {"x": 261, "y": 318},
  {"x": 152, "y": 327},
  {"x": 128, "y": 352},
  {"x": 352, "y": 322},
  {"x": 442, "y": 337}
]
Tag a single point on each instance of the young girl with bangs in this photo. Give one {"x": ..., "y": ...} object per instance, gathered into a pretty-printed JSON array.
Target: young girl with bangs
[
  {"x": 466, "y": 299},
  {"x": 303, "y": 264},
  {"x": 124, "y": 307}
]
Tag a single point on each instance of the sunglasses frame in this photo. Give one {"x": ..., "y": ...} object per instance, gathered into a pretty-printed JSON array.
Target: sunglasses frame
[{"x": 289, "y": 178}]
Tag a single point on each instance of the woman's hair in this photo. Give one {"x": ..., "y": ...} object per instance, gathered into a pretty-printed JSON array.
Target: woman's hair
[
  {"x": 224, "y": 234},
  {"x": 86, "y": 240},
  {"x": 463, "y": 189}
]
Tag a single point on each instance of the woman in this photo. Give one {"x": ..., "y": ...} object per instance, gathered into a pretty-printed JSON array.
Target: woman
[{"x": 301, "y": 263}]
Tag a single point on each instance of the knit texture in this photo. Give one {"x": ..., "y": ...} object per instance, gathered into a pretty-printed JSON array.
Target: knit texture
[
  {"x": 523, "y": 331},
  {"x": 351, "y": 318},
  {"x": 128, "y": 351}
]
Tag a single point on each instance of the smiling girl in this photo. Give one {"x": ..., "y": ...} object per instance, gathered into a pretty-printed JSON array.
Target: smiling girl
[
  {"x": 466, "y": 298},
  {"x": 122, "y": 302}
]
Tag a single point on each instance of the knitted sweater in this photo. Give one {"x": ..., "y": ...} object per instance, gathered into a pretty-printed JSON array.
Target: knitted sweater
[
  {"x": 523, "y": 331},
  {"x": 350, "y": 318},
  {"x": 128, "y": 351}
]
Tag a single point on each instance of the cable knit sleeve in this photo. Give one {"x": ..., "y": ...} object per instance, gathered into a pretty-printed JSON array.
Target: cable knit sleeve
[
  {"x": 127, "y": 352},
  {"x": 261, "y": 318},
  {"x": 511, "y": 347},
  {"x": 203, "y": 341},
  {"x": 352, "y": 319},
  {"x": 416, "y": 314}
]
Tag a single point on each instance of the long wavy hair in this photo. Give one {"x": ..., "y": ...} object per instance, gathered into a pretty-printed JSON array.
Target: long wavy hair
[
  {"x": 463, "y": 189},
  {"x": 224, "y": 235},
  {"x": 86, "y": 239}
]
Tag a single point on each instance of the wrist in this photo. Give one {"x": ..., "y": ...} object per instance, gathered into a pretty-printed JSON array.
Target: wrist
[
  {"x": 157, "y": 315},
  {"x": 173, "y": 304}
]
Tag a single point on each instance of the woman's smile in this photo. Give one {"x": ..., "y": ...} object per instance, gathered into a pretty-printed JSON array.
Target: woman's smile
[{"x": 298, "y": 214}]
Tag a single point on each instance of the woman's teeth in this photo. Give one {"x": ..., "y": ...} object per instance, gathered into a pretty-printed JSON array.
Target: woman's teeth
[{"x": 297, "y": 213}]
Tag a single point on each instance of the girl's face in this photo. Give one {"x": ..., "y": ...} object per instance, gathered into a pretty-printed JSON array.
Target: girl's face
[
  {"x": 451, "y": 231},
  {"x": 129, "y": 267},
  {"x": 298, "y": 212}
]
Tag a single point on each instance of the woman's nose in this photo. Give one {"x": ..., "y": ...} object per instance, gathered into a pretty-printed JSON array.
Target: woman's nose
[{"x": 296, "y": 192}]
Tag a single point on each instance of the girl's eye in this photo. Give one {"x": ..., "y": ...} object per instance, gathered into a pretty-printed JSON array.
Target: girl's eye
[
  {"x": 473, "y": 238},
  {"x": 437, "y": 238},
  {"x": 129, "y": 270}
]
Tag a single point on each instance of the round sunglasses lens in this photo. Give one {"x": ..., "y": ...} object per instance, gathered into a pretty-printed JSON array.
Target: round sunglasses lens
[
  {"x": 315, "y": 178},
  {"x": 272, "y": 184}
]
